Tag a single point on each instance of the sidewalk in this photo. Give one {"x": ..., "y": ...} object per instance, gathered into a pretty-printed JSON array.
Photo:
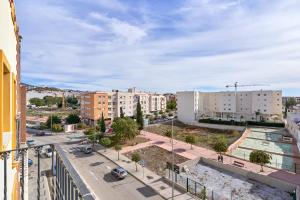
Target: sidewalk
[
  {"x": 185, "y": 150},
  {"x": 144, "y": 175}
]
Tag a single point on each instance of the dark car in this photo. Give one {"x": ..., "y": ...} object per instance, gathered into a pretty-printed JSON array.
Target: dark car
[
  {"x": 40, "y": 133},
  {"x": 119, "y": 172}
]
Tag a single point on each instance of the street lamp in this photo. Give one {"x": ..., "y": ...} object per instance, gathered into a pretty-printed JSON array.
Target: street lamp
[{"x": 173, "y": 183}]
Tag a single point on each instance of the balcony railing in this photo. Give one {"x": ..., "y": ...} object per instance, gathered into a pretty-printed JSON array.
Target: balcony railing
[{"x": 64, "y": 182}]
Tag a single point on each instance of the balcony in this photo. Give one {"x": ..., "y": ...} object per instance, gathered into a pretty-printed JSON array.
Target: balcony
[{"x": 61, "y": 179}]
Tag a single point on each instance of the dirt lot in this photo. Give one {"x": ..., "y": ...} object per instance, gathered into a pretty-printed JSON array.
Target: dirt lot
[
  {"x": 156, "y": 158},
  {"x": 205, "y": 137}
]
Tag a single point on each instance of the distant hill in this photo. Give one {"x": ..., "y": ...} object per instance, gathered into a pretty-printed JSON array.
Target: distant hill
[{"x": 46, "y": 88}]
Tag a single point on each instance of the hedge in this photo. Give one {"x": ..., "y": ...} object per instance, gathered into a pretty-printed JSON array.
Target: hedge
[{"x": 244, "y": 123}]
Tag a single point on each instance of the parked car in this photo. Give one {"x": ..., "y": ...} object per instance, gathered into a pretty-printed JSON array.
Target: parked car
[
  {"x": 48, "y": 152},
  {"x": 119, "y": 172},
  {"x": 30, "y": 143},
  {"x": 40, "y": 133},
  {"x": 87, "y": 149},
  {"x": 30, "y": 162}
]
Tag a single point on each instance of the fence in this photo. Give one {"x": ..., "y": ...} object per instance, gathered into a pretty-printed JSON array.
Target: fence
[{"x": 197, "y": 189}]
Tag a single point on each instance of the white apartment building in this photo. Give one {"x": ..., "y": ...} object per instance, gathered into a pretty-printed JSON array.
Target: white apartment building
[
  {"x": 157, "y": 102},
  {"x": 93, "y": 104},
  {"x": 245, "y": 105}
]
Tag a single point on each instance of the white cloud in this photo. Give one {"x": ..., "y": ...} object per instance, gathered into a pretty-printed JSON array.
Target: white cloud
[{"x": 212, "y": 44}]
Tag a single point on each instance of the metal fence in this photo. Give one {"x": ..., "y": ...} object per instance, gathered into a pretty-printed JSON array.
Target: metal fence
[
  {"x": 197, "y": 189},
  {"x": 64, "y": 184}
]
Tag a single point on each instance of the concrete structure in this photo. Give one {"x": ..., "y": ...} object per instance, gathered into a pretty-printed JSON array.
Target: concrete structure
[
  {"x": 293, "y": 124},
  {"x": 11, "y": 117},
  {"x": 93, "y": 104},
  {"x": 245, "y": 105}
]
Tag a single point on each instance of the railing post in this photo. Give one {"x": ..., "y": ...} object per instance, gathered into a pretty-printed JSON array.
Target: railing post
[
  {"x": 39, "y": 172},
  {"x": 22, "y": 173},
  {"x": 4, "y": 156},
  {"x": 187, "y": 184},
  {"x": 195, "y": 188}
]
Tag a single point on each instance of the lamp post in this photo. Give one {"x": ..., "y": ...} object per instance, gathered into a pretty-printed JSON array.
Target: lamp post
[{"x": 173, "y": 183}]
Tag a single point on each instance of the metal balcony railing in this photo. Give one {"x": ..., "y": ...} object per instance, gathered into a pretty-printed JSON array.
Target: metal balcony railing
[{"x": 64, "y": 182}]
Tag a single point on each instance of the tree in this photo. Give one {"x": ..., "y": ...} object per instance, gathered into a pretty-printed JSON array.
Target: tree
[
  {"x": 220, "y": 145},
  {"x": 105, "y": 142},
  {"x": 102, "y": 124},
  {"x": 168, "y": 133},
  {"x": 136, "y": 158},
  {"x": 56, "y": 128},
  {"x": 171, "y": 105},
  {"x": 118, "y": 148},
  {"x": 290, "y": 102},
  {"x": 53, "y": 119},
  {"x": 90, "y": 131},
  {"x": 139, "y": 116},
  {"x": 121, "y": 112},
  {"x": 73, "y": 119},
  {"x": 72, "y": 101},
  {"x": 124, "y": 128},
  {"x": 191, "y": 140},
  {"x": 37, "y": 102},
  {"x": 260, "y": 157}
]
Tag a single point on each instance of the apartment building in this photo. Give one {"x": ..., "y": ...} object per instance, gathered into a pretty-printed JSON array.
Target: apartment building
[
  {"x": 93, "y": 104},
  {"x": 11, "y": 133},
  {"x": 244, "y": 105},
  {"x": 157, "y": 102}
]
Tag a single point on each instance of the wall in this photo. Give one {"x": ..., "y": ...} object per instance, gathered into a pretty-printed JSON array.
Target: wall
[
  {"x": 217, "y": 126},
  {"x": 187, "y": 106}
]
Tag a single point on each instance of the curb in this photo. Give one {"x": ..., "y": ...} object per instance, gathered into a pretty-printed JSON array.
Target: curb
[{"x": 132, "y": 175}]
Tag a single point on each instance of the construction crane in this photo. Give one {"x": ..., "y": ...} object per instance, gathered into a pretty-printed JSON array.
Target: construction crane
[{"x": 236, "y": 85}]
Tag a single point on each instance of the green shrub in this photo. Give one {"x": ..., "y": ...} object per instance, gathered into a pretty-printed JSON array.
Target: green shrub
[{"x": 57, "y": 128}]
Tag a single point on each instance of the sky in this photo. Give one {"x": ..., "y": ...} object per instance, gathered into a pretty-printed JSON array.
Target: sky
[{"x": 161, "y": 45}]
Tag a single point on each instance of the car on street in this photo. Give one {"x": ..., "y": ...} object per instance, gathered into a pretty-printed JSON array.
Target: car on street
[
  {"x": 87, "y": 149},
  {"x": 40, "y": 133},
  {"x": 30, "y": 143},
  {"x": 30, "y": 162},
  {"x": 119, "y": 172}
]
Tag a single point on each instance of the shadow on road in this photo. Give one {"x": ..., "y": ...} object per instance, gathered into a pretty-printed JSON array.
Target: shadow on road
[
  {"x": 110, "y": 178},
  {"x": 146, "y": 191},
  {"x": 96, "y": 164},
  {"x": 159, "y": 142}
]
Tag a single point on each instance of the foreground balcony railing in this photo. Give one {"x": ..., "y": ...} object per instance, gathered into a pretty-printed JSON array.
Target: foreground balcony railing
[{"x": 64, "y": 181}]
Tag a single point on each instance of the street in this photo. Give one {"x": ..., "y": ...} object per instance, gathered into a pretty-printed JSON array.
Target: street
[{"x": 95, "y": 172}]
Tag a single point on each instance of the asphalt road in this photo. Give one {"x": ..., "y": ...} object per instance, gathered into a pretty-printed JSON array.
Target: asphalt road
[{"x": 95, "y": 172}]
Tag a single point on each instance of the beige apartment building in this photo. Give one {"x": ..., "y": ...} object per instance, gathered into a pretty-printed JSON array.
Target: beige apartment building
[
  {"x": 244, "y": 105},
  {"x": 93, "y": 104}
]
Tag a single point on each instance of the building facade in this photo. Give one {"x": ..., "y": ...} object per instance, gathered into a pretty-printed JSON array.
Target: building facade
[
  {"x": 244, "y": 105},
  {"x": 11, "y": 119},
  {"x": 111, "y": 104}
]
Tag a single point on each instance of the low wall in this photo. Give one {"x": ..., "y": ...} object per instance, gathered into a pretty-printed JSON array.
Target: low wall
[
  {"x": 239, "y": 141},
  {"x": 217, "y": 126},
  {"x": 222, "y": 166}
]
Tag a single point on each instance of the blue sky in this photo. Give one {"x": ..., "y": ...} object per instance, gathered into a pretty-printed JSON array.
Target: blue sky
[{"x": 161, "y": 45}]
